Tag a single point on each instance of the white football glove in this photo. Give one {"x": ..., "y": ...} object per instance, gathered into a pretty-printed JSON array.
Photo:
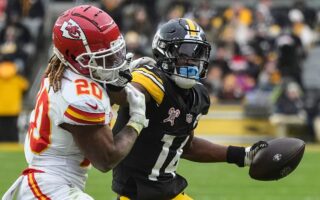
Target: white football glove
[
  {"x": 142, "y": 61},
  {"x": 137, "y": 108},
  {"x": 250, "y": 152}
]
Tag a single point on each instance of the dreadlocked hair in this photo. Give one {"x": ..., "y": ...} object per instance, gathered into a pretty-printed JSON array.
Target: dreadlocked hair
[{"x": 54, "y": 72}]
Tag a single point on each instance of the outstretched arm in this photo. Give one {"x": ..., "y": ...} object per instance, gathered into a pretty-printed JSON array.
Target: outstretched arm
[{"x": 201, "y": 150}]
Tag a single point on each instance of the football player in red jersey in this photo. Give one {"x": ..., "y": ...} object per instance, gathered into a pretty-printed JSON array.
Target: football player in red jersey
[{"x": 69, "y": 126}]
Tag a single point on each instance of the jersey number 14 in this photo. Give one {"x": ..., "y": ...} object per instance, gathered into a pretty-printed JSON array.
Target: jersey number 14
[{"x": 164, "y": 155}]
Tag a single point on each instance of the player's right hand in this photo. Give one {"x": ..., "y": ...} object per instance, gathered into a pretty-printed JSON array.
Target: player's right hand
[
  {"x": 251, "y": 151},
  {"x": 137, "y": 108}
]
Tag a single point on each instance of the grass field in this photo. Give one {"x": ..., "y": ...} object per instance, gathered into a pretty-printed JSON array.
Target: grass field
[{"x": 206, "y": 181}]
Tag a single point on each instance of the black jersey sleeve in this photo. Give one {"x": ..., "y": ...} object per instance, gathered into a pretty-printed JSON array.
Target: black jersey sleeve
[{"x": 204, "y": 99}]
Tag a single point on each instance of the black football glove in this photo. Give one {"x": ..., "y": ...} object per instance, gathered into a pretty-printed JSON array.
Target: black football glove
[
  {"x": 250, "y": 152},
  {"x": 242, "y": 156}
]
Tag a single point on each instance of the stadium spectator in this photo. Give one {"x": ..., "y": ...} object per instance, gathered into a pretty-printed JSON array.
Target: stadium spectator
[
  {"x": 3, "y": 15},
  {"x": 204, "y": 14},
  {"x": 309, "y": 13},
  {"x": 290, "y": 99},
  {"x": 33, "y": 13},
  {"x": 291, "y": 54},
  {"x": 240, "y": 18},
  {"x": 12, "y": 88},
  {"x": 16, "y": 41},
  {"x": 301, "y": 29},
  {"x": 213, "y": 82},
  {"x": 137, "y": 21},
  {"x": 312, "y": 106},
  {"x": 114, "y": 8},
  {"x": 263, "y": 13},
  {"x": 136, "y": 44}
]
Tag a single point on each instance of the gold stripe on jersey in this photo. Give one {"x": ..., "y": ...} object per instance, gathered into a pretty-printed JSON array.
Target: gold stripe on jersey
[
  {"x": 84, "y": 117},
  {"x": 192, "y": 27},
  {"x": 151, "y": 73},
  {"x": 123, "y": 198},
  {"x": 182, "y": 196},
  {"x": 150, "y": 82}
]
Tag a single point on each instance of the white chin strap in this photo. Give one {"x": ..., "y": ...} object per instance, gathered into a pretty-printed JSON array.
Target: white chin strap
[{"x": 182, "y": 82}]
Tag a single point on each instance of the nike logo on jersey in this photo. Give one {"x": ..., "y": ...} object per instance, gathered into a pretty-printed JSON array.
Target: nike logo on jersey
[{"x": 94, "y": 107}]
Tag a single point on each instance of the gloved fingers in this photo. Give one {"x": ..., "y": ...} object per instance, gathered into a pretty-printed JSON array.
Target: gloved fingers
[
  {"x": 259, "y": 145},
  {"x": 142, "y": 61},
  {"x": 132, "y": 92},
  {"x": 129, "y": 57},
  {"x": 148, "y": 61},
  {"x": 128, "y": 91}
]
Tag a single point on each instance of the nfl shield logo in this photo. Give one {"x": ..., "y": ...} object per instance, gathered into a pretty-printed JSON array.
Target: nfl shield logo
[{"x": 189, "y": 118}]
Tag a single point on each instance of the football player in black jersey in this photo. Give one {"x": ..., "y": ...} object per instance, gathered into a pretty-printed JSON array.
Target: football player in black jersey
[{"x": 175, "y": 102}]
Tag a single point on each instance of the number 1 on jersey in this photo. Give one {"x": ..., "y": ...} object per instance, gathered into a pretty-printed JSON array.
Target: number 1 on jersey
[{"x": 163, "y": 156}]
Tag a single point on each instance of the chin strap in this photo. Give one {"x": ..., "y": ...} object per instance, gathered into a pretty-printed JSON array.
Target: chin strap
[{"x": 184, "y": 83}]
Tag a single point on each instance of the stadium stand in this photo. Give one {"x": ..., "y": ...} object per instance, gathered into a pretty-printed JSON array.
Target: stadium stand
[{"x": 244, "y": 72}]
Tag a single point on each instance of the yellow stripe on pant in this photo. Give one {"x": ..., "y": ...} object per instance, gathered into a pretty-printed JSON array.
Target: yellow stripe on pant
[{"x": 181, "y": 196}]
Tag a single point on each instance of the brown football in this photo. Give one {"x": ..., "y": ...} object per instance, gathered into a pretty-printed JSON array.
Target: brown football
[{"x": 277, "y": 160}]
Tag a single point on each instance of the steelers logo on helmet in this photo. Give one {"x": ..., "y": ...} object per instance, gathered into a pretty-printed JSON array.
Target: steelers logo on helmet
[{"x": 181, "y": 50}]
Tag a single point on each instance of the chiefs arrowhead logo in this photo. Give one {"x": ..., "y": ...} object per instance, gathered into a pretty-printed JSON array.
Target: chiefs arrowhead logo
[{"x": 71, "y": 30}]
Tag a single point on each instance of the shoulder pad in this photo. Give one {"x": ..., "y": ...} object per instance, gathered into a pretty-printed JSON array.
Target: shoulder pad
[
  {"x": 87, "y": 101},
  {"x": 148, "y": 77},
  {"x": 204, "y": 98}
]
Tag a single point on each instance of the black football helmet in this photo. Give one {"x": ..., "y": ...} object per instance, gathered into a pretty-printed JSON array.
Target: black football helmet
[{"x": 182, "y": 51}]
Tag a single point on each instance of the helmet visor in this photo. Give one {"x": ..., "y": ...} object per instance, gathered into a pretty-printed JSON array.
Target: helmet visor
[
  {"x": 191, "y": 50},
  {"x": 191, "y": 53}
]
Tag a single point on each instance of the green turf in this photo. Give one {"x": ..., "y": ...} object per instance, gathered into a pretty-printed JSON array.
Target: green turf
[{"x": 206, "y": 181}]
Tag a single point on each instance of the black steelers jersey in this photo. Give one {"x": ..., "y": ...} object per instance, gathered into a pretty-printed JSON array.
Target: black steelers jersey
[{"x": 149, "y": 170}]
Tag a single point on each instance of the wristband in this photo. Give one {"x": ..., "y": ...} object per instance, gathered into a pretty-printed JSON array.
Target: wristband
[
  {"x": 236, "y": 155},
  {"x": 137, "y": 126}
]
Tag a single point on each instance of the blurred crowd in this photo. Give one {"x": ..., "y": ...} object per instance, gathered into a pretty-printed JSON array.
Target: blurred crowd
[
  {"x": 21, "y": 24},
  {"x": 257, "y": 58}
]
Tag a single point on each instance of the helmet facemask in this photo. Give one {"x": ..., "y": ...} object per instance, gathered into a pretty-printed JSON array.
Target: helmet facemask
[
  {"x": 104, "y": 66},
  {"x": 186, "y": 61}
]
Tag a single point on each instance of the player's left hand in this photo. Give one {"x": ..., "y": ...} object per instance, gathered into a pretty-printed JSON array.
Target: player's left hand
[
  {"x": 137, "y": 108},
  {"x": 142, "y": 61},
  {"x": 251, "y": 151}
]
